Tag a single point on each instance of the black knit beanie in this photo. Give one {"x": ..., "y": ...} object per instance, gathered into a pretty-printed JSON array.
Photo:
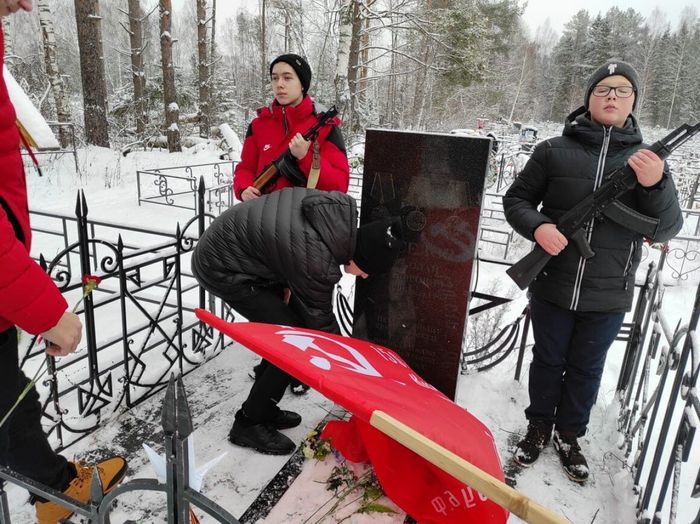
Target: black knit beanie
[
  {"x": 300, "y": 66},
  {"x": 611, "y": 68},
  {"x": 378, "y": 244}
]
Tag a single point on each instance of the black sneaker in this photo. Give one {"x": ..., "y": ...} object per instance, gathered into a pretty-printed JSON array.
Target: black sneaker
[
  {"x": 571, "y": 457},
  {"x": 260, "y": 437},
  {"x": 285, "y": 419},
  {"x": 528, "y": 449}
]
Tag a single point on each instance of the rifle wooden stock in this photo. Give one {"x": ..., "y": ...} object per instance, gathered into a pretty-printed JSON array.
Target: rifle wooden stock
[
  {"x": 605, "y": 197},
  {"x": 265, "y": 177}
]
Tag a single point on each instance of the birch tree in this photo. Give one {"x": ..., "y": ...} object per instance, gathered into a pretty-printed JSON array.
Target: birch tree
[
  {"x": 203, "y": 68},
  {"x": 172, "y": 110},
  {"x": 212, "y": 61},
  {"x": 263, "y": 50},
  {"x": 7, "y": 37},
  {"x": 342, "y": 89},
  {"x": 52, "y": 72},
  {"x": 92, "y": 71}
]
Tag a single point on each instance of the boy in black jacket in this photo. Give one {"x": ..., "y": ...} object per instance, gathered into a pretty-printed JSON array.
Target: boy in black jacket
[
  {"x": 577, "y": 305},
  {"x": 295, "y": 238}
]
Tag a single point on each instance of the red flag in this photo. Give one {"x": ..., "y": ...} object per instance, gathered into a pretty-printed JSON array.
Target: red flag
[{"x": 365, "y": 378}]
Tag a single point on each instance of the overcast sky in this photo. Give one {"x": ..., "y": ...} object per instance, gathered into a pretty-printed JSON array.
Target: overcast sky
[{"x": 559, "y": 12}]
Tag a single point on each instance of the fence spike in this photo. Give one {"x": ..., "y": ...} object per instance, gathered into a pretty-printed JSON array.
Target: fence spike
[
  {"x": 77, "y": 203},
  {"x": 96, "y": 490},
  {"x": 84, "y": 203},
  {"x": 201, "y": 187},
  {"x": 120, "y": 243},
  {"x": 184, "y": 420},
  {"x": 42, "y": 262},
  {"x": 169, "y": 413}
]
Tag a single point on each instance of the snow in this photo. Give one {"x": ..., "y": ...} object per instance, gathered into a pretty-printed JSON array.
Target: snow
[
  {"x": 233, "y": 143},
  {"x": 172, "y": 106},
  {"x": 217, "y": 388},
  {"x": 28, "y": 115},
  {"x": 173, "y": 127}
]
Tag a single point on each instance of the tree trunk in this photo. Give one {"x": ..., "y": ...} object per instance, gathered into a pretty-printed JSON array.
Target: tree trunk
[
  {"x": 7, "y": 38},
  {"x": 212, "y": 61},
  {"x": 391, "y": 87},
  {"x": 362, "y": 83},
  {"x": 342, "y": 91},
  {"x": 92, "y": 71},
  {"x": 138, "y": 73},
  {"x": 172, "y": 111},
  {"x": 421, "y": 84},
  {"x": 675, "y": 83},
  {"x": 203, "y": 68},
  {"x": 354, "y": 64},
  {"x": 263, "y": 52},
  {"x": 421, "y": 77},
  {"x": 52, "y": 71},
  {"x": 527, "y": 61}
]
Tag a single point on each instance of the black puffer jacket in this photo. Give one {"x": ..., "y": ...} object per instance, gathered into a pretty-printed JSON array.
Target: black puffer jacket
[
  {"x": 296, "y": 237},
  {"x": 562, "y": 172}
]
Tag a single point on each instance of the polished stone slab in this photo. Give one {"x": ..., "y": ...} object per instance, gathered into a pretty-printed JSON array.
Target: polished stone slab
[{"x": 435, "y": 181}]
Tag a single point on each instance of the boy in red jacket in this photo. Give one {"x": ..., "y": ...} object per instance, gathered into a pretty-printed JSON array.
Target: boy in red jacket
[
  {"x": 30, "y": 300},
  {"x": 279, "y": 127}
]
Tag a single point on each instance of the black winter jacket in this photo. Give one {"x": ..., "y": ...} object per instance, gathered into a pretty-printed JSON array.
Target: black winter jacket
[
  {"x": 296, "y": 237},
  {"x": 563, "y": 171}
]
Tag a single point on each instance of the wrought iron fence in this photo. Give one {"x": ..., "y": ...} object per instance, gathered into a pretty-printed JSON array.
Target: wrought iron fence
[
  {"x": 660, "y": 409},
  {"x": 152, "y": 294},
  {"x": 177, "y": 186},
  {"x": 177, "y": 427},
  {"x": 66, "y": 133}
]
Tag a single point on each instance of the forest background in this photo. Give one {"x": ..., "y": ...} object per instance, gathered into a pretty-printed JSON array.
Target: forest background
[{"x": 140, "y": 72}]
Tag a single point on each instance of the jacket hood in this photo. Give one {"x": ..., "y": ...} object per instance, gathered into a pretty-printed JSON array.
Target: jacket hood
[
  {"x": 334, "y": 217},
  {"x": 580, "y": 126}
]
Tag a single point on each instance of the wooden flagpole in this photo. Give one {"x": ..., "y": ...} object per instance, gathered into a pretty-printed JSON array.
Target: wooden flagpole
[{"x": 489, "y": 486}]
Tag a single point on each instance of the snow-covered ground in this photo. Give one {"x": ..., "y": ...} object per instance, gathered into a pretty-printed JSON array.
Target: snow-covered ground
[{"x": 218, "y": 387}]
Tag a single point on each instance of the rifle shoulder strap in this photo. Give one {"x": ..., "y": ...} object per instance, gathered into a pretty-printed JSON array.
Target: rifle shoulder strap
[{"x": 315, "y": 170}]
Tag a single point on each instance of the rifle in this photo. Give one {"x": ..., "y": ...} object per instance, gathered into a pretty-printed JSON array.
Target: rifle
[
  {"x": 271, "y": 172},
  {"x": 603, "y": 201}
]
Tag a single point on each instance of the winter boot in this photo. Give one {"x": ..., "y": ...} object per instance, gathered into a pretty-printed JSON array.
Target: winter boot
[
  {"x": 261, "y": 437},
  {"x": 285, "y": 419},
  {"x": 528, "y": 449},
  {"x": 571, "y": 457},
  {"x": 111, "y": 472}
]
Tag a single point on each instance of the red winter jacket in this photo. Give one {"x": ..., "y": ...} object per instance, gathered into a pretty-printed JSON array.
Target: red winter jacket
[
  {"x": 268, "y": 137},
  {"x": 28, "y": 297}
]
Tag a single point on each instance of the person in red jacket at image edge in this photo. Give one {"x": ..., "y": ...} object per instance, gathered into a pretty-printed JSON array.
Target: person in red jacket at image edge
[
  {"x": 273, "y": 130},
  {"x": 30, "y": 300}
]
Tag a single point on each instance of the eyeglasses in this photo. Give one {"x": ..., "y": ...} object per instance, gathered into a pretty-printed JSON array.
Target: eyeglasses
[{"x": 620, "y": 91}]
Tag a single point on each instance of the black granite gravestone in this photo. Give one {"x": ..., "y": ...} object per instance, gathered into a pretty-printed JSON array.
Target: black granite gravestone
[{"x": 418, "y": 309}]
